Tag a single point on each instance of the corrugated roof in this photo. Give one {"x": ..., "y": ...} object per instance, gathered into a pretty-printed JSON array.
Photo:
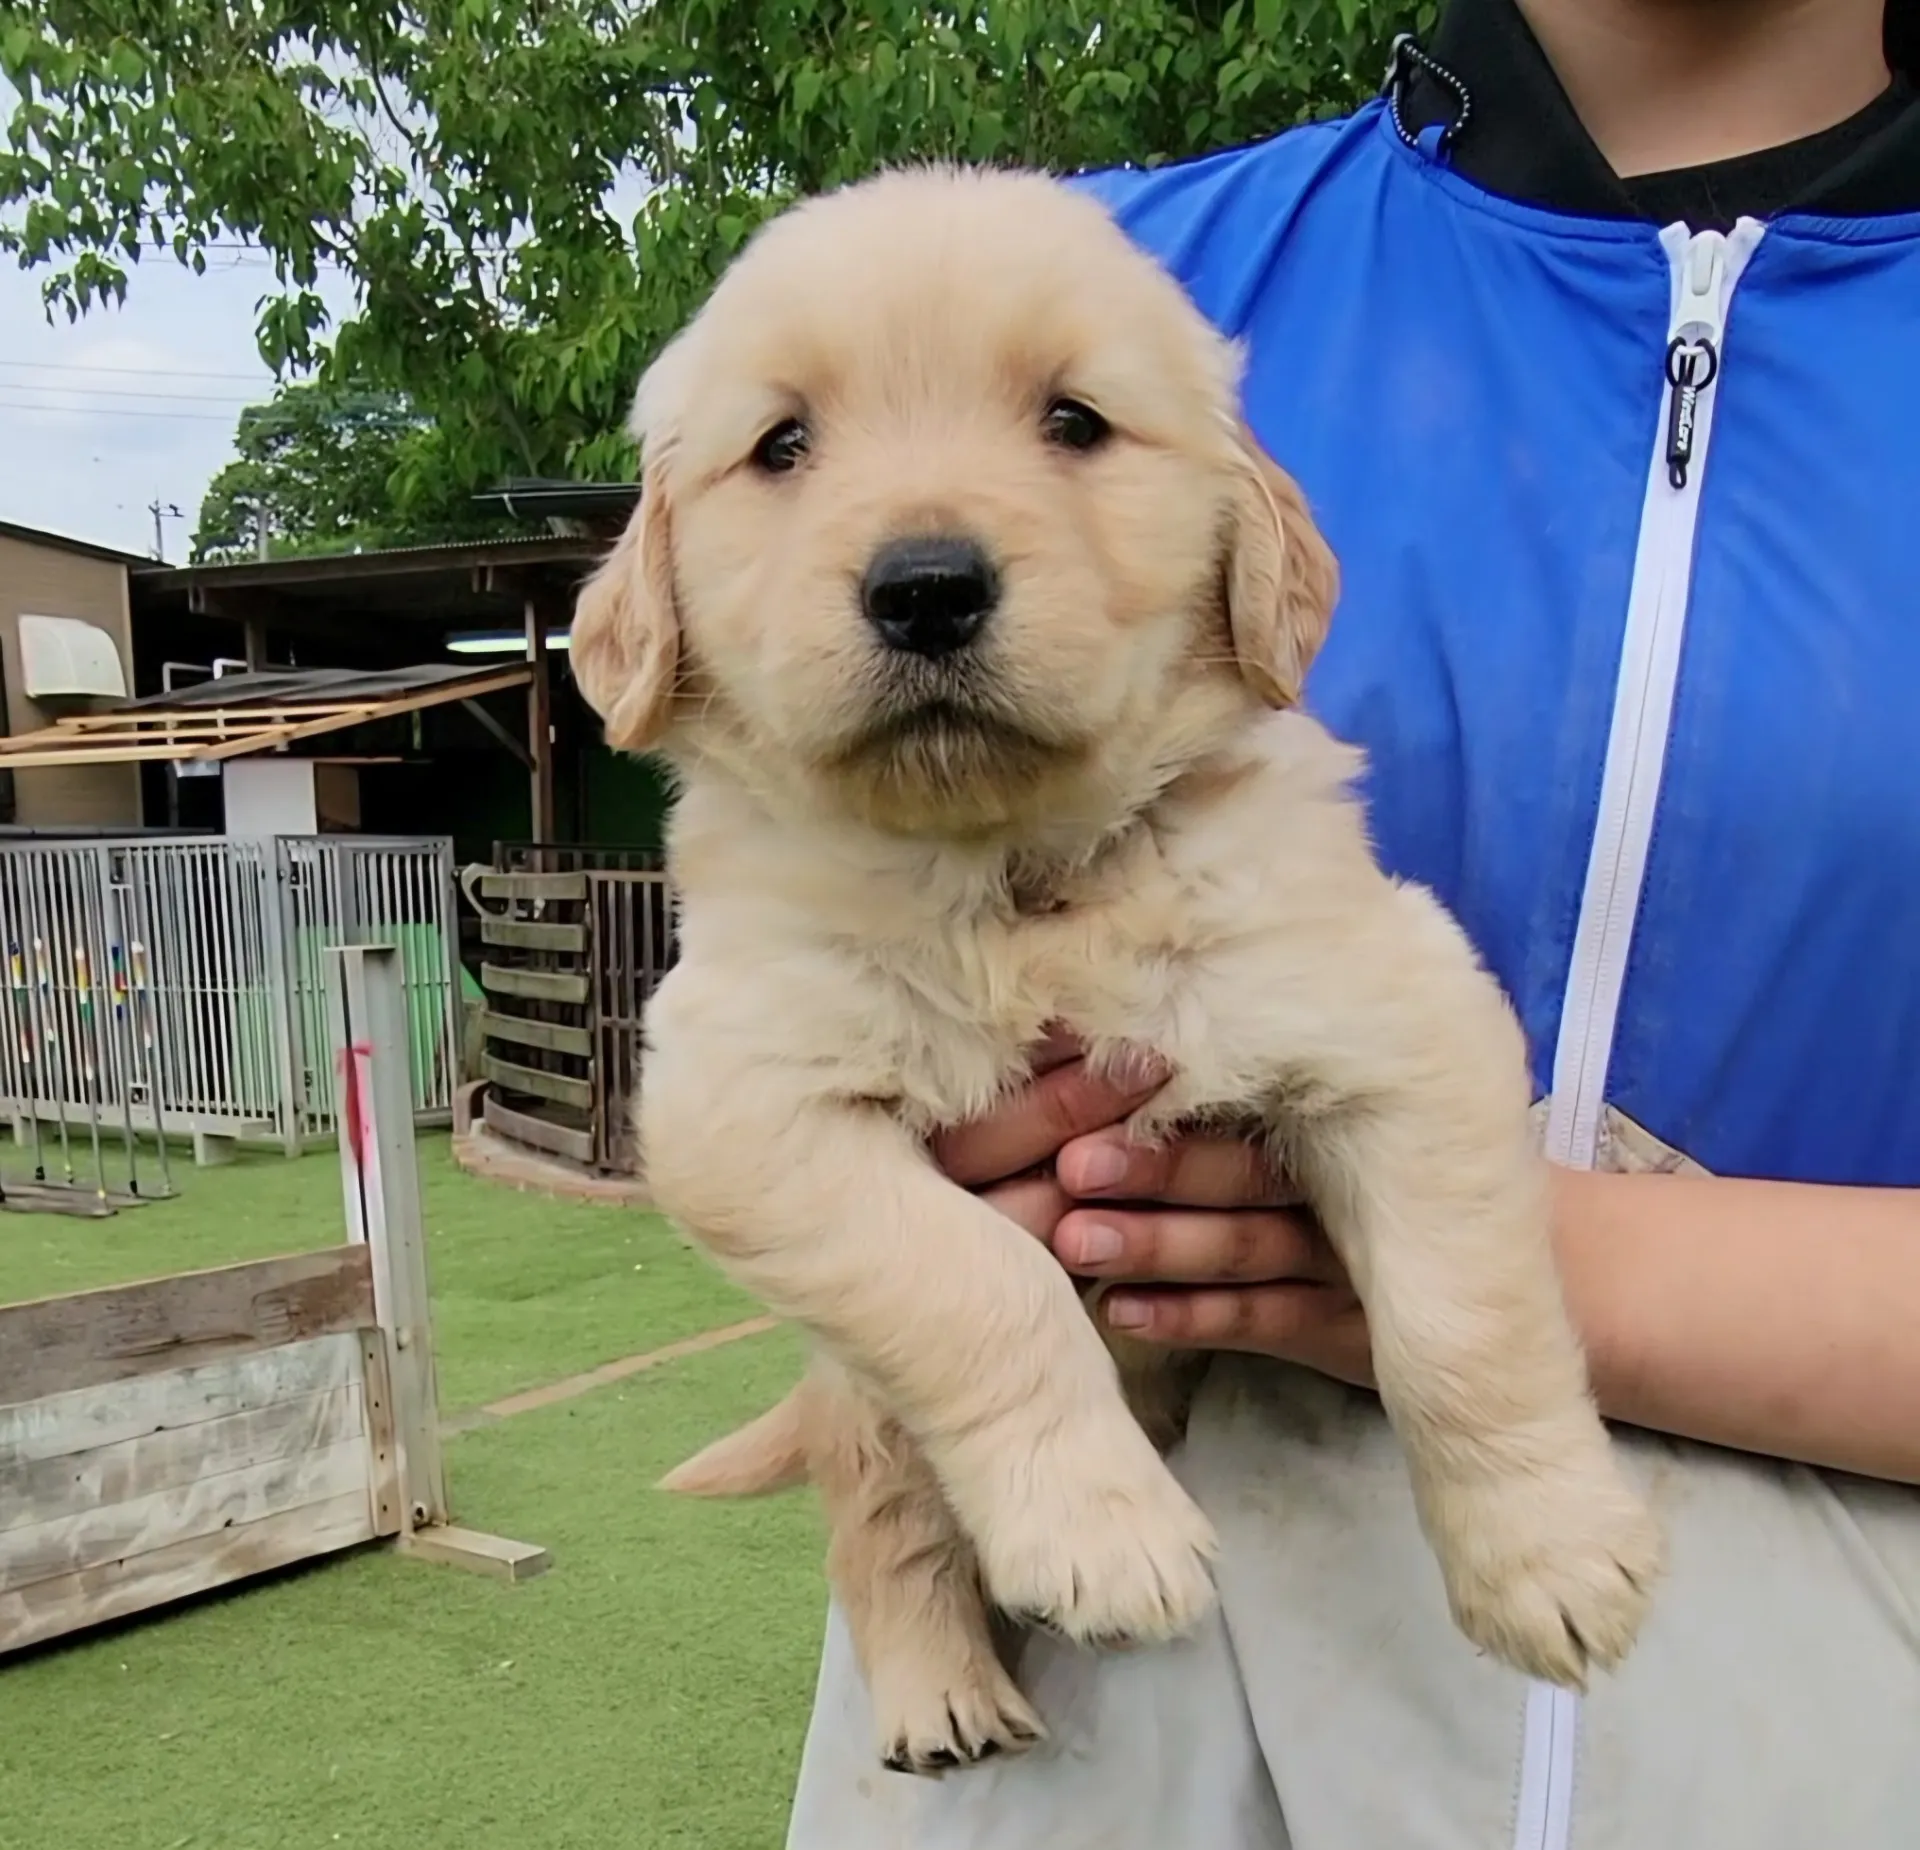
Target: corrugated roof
[
  {"x": 327, "y": 567},
  {"x": 303, "y": 686}
]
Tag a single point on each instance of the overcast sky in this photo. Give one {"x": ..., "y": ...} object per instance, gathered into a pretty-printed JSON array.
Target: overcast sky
[{"x": 101, "y": 417}]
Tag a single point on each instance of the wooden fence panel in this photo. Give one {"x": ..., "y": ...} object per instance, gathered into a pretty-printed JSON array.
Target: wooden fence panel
[
  {"x": 135, "y": 1490},
  {"x": 94, "y": 1417},
  {"x": 54, "y": 1344},
  {"x": 115, "y": 1589}
]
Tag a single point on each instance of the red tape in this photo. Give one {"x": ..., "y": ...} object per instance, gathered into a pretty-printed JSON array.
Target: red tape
[{"x": 352, "y": 1111}]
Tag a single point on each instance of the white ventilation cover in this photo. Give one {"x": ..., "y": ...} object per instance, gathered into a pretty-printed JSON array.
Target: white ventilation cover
[{"x": 62, "y": 657}]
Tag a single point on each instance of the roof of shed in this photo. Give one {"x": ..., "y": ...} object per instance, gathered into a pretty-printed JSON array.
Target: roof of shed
[{"x": 238, "y": 715}]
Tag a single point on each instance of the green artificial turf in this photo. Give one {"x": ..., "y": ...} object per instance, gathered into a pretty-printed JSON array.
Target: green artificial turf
[
  {"x": 649, "y": 1693},
  {"x": 525, "y": 1288}
]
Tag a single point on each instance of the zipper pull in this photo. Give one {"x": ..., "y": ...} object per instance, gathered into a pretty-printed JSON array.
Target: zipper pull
[{"x": 1693, "y": 346}]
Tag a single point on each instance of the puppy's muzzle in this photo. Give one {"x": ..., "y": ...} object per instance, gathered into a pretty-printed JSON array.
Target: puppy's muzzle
[{"x": 929, "y": 595}]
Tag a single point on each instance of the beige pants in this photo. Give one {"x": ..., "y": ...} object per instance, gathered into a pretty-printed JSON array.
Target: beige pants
[{"x": 1773, "y": 1702}]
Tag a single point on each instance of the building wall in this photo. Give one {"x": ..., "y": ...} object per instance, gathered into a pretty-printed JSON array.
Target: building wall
[{"x": 49, "y": 581}]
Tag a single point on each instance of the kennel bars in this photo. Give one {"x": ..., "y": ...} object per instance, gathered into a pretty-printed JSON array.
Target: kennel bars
[{"x": 216, "y": 947}]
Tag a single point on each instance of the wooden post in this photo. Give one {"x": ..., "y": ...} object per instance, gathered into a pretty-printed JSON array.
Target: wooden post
[
  {"x": 255, "y": 650},
  {"x": 381, "y": 1182},
  {"x": 540, "y": 718}
]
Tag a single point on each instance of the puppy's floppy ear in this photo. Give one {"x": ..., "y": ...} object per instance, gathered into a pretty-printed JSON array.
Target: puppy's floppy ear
[
  {"x": 1282, "y": 580},
  {"x": 625, "y": 646}
]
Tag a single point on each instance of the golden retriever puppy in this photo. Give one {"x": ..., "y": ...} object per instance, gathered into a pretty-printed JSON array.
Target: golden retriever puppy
[{"x": 973, "y": 620}]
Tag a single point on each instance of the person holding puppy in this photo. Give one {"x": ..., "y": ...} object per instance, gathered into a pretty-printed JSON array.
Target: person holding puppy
[{"x": 1593, "y": 346}]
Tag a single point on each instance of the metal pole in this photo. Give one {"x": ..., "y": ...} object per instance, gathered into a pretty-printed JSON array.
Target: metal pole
[
  {"x": 123, "y": 1044},
  {"x": 90, "y": 1065},
  {"x": 22, "y": 998},
  {"x": 146, "y": 1008}
]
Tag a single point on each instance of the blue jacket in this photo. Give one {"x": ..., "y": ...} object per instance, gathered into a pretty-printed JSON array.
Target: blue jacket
[{"x": 1657, "y": 746}]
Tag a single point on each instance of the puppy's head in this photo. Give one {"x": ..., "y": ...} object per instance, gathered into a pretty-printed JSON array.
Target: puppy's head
[{"x": 949, "y": 516}]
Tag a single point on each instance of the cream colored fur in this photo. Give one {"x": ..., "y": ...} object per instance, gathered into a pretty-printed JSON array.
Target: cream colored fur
[{"x": 894, "y": 875}]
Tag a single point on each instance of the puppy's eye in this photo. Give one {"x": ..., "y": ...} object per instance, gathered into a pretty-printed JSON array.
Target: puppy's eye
[
  {"x": 1074, "y": 426},
  {"x": 779, "y": 451}
]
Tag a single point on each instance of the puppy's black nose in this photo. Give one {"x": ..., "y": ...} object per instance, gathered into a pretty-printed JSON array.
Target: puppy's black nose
[{"x": 929, "y": 595}]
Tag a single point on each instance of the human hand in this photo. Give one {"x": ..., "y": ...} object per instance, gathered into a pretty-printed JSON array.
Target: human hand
[
  {"x": 1221, "y": 1259},
  {"x": 1221, "y": 1256}
]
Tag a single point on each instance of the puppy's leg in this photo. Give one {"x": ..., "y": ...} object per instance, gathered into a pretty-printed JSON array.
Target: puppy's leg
[
  {"x": 1434, "y": 1197},
  {"x": 965, "y": 1329},
  {"x": 1158, "y": 1382},
  {"x": 1402, "y": 1112},
  {"x": 909, "y": 1584}
]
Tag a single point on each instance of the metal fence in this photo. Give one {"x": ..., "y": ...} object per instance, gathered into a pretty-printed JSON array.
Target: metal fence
[
  {"x": 632, "y": 946},
  {"x": 529, "y": 857},
  {"x": 371, "y": 890},
  {"x": 179, "y": 981}
]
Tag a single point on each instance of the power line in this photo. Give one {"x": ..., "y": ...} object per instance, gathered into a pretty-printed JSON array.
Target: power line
[
  {"x": 116, "y": 411},
  {"x": 127, "y": 391},
  {"x": 145, "y": 372}
]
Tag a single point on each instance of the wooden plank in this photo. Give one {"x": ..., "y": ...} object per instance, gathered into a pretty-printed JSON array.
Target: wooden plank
[
  {"x": 165, "y": 716},
  {"x": 52, "y": 1489},
  {"x": 391, "y": 706},
  {"x": 157, "y": 753},
  {"x": 387, "y": 1504},
  {"x": 221, "y": 722},
  {"x": 491, "y": 1555},
  {"x": 381, "y": 1181},
  {"x": 534, "y": 985},
  {"x": 553, "y": 1036},
  {"x": 538, "y": 1133},
  {"x": 84, "y": 1419},
  {"x": 555, "y": 1086},
  {"x": 532, "y": 886},
  {"x": 56, "y": 1344},
  {"x": 146, "y": 735},
  {"x": 228, "y": 1499},
  {"x": 524, "y": 935},
  {"x": 113, "y": 1590}
]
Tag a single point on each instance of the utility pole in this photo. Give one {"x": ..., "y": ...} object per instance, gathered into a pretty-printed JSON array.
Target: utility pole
[{"x": 162, "y": 511}]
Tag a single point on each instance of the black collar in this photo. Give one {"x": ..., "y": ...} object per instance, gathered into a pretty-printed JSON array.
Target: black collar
[{"x": 1484, "y": 81}]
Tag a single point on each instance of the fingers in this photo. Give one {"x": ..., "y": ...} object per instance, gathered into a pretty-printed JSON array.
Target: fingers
[
  {"x": 1192, "y": 1246},
  {"x": 1030, "y": 1128},
  {"x": 1033, "y": 1203},
  {"x": 1194, "y": 1172},
  {"x": 1320, "y": 1324}
]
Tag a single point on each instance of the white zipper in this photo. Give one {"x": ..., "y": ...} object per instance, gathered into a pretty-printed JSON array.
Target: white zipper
[{"x": 1704, "y": 268}]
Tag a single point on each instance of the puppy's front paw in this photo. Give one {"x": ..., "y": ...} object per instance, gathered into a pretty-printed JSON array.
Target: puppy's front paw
[
  {"x": 935, "y": 1715},
  {"x": 1094, "y": 1538},
  {"x": 1551, "y": 1573}
]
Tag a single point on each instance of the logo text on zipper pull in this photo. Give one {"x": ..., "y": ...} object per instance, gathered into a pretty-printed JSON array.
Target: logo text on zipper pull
[{"x": 1691, "y": 365}]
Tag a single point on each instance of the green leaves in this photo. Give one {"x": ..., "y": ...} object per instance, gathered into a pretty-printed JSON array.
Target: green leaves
[
  {"x": 317, "y": 465},
  {"x": 528, "y": 197}
]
